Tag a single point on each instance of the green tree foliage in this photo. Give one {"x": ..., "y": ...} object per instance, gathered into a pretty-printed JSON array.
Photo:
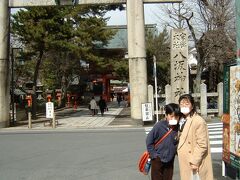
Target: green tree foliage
[
  {"x": 158, "y": 44},
  {"x": 61, "y": 35},
  {"x": 122, "y": 69}
]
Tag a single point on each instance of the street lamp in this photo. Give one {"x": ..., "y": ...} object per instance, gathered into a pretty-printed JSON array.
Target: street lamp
[{"x": 12, "y": 122}]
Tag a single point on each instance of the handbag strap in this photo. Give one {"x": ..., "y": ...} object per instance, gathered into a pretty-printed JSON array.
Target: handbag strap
[{"x": 160, "y": 140}]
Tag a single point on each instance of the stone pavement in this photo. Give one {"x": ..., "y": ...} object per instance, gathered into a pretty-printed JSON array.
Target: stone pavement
[
  {"x": 69, "y": 118},
  {"x": 81, "y": 118}
]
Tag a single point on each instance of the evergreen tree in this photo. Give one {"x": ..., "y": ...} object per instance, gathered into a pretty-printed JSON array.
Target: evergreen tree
[
  {"x": 63, "y": 34},
  {"x": 158, "y": 44}
]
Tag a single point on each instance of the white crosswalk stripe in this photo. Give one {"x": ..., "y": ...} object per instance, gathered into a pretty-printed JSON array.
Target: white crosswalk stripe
[
  {"x": 215, "y": 136},
  {"x": 217, "y": 132}
]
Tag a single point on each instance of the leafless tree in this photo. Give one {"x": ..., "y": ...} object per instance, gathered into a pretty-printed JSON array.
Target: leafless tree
[
  {"x": 211, "y": 27},
  {"x": 219, "y": 38}
]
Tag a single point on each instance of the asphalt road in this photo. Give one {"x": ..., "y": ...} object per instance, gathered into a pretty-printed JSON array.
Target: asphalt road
[
  {"x": 106, "y": 154},
  {"x": 85, "y": 155}
]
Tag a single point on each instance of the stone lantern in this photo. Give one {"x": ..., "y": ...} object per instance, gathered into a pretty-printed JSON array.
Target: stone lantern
[{"x": 39, "y": 90}]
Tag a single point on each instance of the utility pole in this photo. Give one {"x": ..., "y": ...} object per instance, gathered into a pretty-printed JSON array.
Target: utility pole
[{"x": 155, "y": 82}]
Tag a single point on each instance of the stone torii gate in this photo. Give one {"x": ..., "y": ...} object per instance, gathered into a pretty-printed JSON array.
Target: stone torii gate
[{"x": 136, "y": 48}]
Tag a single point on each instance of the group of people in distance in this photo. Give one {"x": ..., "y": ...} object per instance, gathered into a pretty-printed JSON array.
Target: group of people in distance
[
  {"x": 188, "y": 139},
  {"x": 93, "y": 106},
  {"x": 102, "y": 105}
]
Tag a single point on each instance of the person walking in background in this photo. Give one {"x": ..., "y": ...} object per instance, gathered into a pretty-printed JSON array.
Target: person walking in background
[
  {"x": 112, "y": 96},
  {"x": 119, "y": 99},
  {"x": 162, "y": 156},
  {"x": 102, "y": 105},
  {"x": 193, "y": 149},
  {"x": 93, "y": 106}
]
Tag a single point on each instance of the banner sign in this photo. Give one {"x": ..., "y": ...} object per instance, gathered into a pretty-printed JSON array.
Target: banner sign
[{"x": 235, "y": 116}]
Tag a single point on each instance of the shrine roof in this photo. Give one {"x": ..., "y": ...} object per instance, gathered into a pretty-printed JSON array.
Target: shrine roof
[{"x": 119, "y": 40}]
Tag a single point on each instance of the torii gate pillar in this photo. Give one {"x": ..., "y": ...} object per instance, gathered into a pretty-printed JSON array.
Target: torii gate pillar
[
  {"x": 4, "y": 64},
  {"x": 137, "y": 56}
]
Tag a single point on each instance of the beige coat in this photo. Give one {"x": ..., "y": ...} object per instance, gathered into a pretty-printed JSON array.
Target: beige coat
[{"x": 194, "y": 148}]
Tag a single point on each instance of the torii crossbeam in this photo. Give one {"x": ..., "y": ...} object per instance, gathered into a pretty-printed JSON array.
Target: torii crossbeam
[
  {"x": 136, "y": 48},
  {"x": 24, "y": 3}
]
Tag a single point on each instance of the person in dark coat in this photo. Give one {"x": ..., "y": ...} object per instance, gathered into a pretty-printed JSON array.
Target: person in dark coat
[
  {"x": 119, "y": 99},
  {"x": 162, "y": 156},
  {"x": 102, "y": 105}
]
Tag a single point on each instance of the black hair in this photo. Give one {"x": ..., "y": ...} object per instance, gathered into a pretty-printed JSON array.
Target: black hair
[
  {"x": 172, "y": 108},
  {"x": 191, "y": 100}
]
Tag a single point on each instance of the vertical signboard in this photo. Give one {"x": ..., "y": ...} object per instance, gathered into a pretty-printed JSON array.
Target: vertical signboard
[
  {"x": 147, "y": 112},
  {"x": 179, "y": 63},
  {"x": 235, "y": 116},
  {"x": 49, "y": 110},
  {"x": 226, "y": 115}
]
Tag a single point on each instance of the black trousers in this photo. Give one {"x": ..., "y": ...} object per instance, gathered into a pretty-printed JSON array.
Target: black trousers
[
  {"x": 102, "y": 110},
  {"x": 160, "y": 170}
]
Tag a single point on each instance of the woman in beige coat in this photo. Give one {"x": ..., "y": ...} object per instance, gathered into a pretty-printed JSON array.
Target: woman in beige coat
[{"x": 193, "y": 149}]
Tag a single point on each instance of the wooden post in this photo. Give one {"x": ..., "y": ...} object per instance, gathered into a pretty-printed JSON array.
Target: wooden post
[
  {"x": 54, "y": 121},
  {"x": 29, "y": 120}
]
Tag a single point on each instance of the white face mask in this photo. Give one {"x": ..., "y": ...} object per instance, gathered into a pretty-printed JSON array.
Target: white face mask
[
  {"x": 173, "y": 122},
  {"x": 185, "y": 110}
]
